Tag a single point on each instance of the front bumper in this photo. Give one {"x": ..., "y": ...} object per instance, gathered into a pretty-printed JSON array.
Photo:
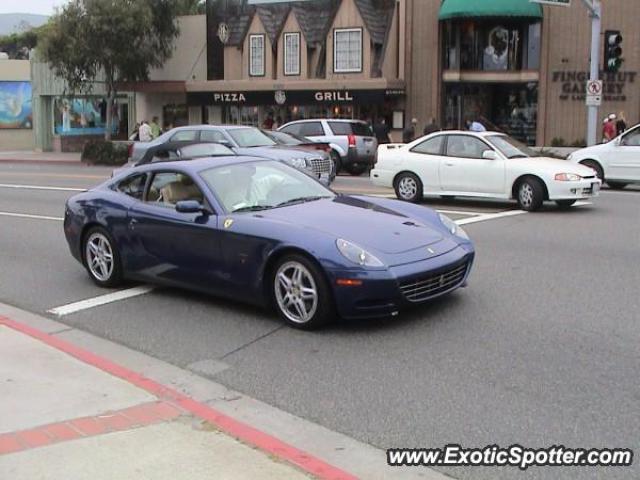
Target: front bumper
[
  {"x": 384, "y": 293},
  {"x": 586, "y": 188}
]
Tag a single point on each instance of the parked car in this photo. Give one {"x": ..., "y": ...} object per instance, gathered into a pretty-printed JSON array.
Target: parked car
[
  {"x": 353, "y": 142},
  {"x": 296, "y": 141},
  {"x": 616, "y": 162},
  {"x": 243, "y": 141},
  {"x": 486, "y": 165},
  {"x": 261, "y": 231}
]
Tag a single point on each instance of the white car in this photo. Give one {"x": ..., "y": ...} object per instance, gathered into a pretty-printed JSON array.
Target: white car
[
  {"x": 482, "y": 164},
  {"x": 616, "y": 162}
]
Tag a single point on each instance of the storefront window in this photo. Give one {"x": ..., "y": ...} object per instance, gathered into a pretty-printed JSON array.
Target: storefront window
[
  {"x": 88, "y": 116},
  {"x": 510, "y": 108},
  {"x": 175, "y": 116},
  {"x": 491, "y": 46}
]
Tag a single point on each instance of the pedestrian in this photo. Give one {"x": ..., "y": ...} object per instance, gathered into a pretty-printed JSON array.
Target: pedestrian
[
  {"x": 475, "y": 126},
  {"x": 144, "y": 132},
  {"x": 155, "y": 128},
  {"x": 268, "y": 122},
  {"x": 431, "y": 127},
  {"x": 621, "y": 124},
  {"x": 135, "y": 135},
  {"x": 609, "y": 129},
  {"x": 278, "y": 123},
  {"x": 381, "y": 130},
  {"x": 409, "y": 133}
]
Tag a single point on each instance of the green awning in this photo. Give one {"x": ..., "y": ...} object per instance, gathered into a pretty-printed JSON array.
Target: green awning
[{"x": 451, "y": 9}]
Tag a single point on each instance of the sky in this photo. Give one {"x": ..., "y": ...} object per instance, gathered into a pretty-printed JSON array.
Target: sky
[{"x": 41, "y": 7}]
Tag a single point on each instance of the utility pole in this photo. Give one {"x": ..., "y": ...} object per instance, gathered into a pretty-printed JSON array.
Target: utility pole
[{"x": 595, "y": 12}]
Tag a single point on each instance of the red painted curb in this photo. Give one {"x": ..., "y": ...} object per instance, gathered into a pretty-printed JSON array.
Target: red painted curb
[{"x": 239, "y": 430}]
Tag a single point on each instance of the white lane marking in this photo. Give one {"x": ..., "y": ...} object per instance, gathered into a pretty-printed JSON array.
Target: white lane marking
[
  {"x": 100, "y": 300},
  {"x": 42, "y": 187},
  {"x": 490, "y": 216},
  {"x": 27, "y": 215}
]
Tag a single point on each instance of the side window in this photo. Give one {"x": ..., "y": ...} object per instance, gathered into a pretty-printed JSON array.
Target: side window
[
  {"x": 465, "y": 146},
  {"x": 211, "y": 136},
  {"x": 311, "y": 129},
  {"x": 341, "y": 128},
  {"x": 294, "y": 128},
  {"x": 133, "y": 186},
  {"x": 632, "y": 139},
  {"x": 431, "y": 146},
  {"x": 169, "y": 188},
  {"x": 185, "y": 136}
]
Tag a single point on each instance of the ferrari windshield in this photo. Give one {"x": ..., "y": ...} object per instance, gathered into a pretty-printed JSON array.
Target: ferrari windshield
[
  {"x": 254, "y": 186},
  {"x": 511, "y": 148},
  {"x": 250, "y": 137}
]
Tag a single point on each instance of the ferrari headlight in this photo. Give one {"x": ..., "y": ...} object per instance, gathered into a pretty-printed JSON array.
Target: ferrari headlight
[
  {"x": 298, "y": 162},
  {"x": 568, "y": 177},
  {"x": 357, "y": 255},
  {"x": 453, "y": 227}
]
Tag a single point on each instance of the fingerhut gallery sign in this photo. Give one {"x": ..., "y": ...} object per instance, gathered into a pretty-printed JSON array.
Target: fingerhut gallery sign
[{"x": 573, "y": 85}]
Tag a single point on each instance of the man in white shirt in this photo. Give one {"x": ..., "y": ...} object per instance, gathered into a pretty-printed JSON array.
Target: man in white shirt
[{"x": 144, "y": 132}]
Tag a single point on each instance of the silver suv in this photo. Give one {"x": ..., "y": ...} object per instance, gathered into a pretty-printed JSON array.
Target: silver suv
[{"x": 353, "y": 143}]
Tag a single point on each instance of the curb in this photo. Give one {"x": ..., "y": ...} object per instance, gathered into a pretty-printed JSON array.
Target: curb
[
  {"x": 42, "y": 162},
  {"x": 232, "y": 427}
]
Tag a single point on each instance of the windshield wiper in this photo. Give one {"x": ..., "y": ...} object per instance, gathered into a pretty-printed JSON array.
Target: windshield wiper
[
  {"x": 252, "y": 208},
  {"x": 293, "y": 201}
]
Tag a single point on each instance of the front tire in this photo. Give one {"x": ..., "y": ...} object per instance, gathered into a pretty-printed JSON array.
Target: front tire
[
  {"x": 592, "y": 164},
  {"x": 301, "y": 294},
  {"x": 101, "y": 258},
  {"x": 616, "y": 185},
  {"x": 408, "y": 187},
  {"x": 530, "y": 194},
  {"x": 565, "y": 204},
  {"x": 337, "y": 161}
]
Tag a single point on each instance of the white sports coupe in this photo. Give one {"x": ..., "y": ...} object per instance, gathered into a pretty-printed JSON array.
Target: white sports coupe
[
  {"x": 481, "y": 164},
  {"x": 616, "y": 162}
]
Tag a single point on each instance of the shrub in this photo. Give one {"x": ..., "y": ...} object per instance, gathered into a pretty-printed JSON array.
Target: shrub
[
  {"x": 558, "y": 142},
  {"x": 581, "y": 142},
  {"x": 102, "y": 152}
]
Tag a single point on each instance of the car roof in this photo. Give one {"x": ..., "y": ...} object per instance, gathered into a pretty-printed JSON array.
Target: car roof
[
  {"x": 341, "y": 120},
  {"x": 210, "y": 127},
  {"x": 199, "y": 164}
]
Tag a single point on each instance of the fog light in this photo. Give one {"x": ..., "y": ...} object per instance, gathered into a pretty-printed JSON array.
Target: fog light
[{"x": 348, "y": 282}]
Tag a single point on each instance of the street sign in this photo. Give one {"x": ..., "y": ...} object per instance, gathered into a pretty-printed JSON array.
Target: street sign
[
  {"x": 559, "y": 3},
  {"x": 594, "y": 93}
]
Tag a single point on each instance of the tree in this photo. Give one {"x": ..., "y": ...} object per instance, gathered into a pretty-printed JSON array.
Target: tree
[
  {"x": 191, "y": 7},
  {"x": 116, "y": 40}
]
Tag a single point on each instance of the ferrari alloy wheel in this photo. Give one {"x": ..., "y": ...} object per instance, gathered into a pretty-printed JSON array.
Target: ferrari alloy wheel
[
  {"x": 300, "y": 293},
  {"x": 101, "y": 258},
  {"x": 408, "y": 187},
  {"x": 530, "y": 195}
]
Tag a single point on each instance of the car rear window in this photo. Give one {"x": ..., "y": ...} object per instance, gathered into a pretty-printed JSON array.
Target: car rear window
[{"x": 351, "y": 128}]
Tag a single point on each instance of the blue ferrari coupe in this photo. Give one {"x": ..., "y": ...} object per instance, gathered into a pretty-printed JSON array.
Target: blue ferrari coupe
[{"x": 263, "y": 232}]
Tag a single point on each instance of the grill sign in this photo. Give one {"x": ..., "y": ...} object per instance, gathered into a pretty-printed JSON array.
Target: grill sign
[{"x": 335, "y": 96}]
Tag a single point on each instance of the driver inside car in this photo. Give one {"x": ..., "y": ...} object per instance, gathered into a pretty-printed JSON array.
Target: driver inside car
[{"x": 249, "y": 187}]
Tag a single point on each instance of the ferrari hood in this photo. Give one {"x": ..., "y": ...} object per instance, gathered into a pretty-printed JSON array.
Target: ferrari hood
[{"x": 366, "y": 224}]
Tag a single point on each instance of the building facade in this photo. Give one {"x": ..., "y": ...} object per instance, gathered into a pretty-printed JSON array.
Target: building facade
[{"x": 515, "y": 65}]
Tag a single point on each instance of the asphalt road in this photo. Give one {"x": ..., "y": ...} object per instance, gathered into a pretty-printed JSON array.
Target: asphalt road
[{"x": 541, "y": 349}]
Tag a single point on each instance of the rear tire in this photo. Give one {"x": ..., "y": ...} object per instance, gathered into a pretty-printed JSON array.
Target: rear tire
[
  {"x": 565, "y": 204},
  {"x": 301, "y": 293},
  {"x": 337, "y": 161},
  {"x": 101, "y": 258},
  {"x": 408, "y": 187},
  {"x": 530, "y": 194},
  {"x": 617, "y": 185},
  {"x": 594, "y": 166},
  {"x": 356, "y": 170}
]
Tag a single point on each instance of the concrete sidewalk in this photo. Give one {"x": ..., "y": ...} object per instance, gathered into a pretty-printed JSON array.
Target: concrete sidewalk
[
  {"x": 65, "y": 417},
  {"x": 29, "y": 156}
]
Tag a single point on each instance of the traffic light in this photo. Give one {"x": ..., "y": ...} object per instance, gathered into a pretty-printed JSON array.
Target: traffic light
[{"x": 612, "y": 51}]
